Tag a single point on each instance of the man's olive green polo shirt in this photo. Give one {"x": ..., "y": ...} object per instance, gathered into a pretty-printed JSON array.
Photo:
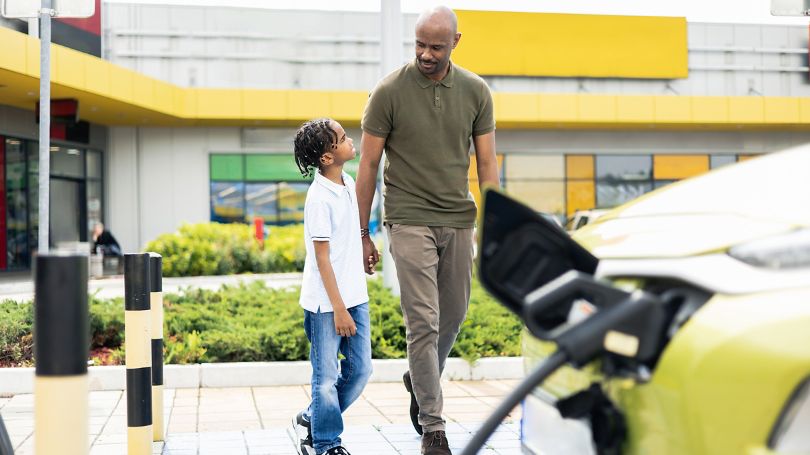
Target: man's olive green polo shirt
[{"x": 428, "y": 127}]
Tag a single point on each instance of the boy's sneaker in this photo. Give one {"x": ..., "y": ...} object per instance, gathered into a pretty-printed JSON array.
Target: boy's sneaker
[
  {"x": 339, "y": 450},
  {"x": 414, "y": 409},
  {"x": 303, "y": 435}
]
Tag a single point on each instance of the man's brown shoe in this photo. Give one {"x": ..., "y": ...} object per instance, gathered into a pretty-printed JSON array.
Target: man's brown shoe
[{"x": 435, "y": 443}]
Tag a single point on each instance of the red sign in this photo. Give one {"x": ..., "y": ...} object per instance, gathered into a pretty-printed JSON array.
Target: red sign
[{"x": 91, "y": 24}]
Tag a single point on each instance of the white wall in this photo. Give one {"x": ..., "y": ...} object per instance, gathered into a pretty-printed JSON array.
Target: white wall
[
  {"x": 158, "y": 179},
  {"x": 121, "y": 187}
]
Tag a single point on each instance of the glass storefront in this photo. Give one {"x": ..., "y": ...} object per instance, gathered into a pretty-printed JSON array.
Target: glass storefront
[
  {"x": 269, "y": 186},
  {"x": 561, "y": 184},
  {"x": 260, "y": 185},
  {"x": 76, "y": 198}
]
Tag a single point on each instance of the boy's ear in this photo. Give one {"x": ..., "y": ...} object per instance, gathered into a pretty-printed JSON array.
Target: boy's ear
[{"x": 327, "y": 159}]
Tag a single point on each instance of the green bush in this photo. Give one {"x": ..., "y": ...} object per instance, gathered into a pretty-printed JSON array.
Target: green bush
[
  {"x": 222, "y": 249},
  {"x": 489, "y": 331},
  {"x": 106, "y": 322},
  {"x": 184, "y": 348},
  {"x": 16, "y": 340},
  {"x": 251, "y": 322},
  {"x": 243, "y": 323},
  {"x": 387, "y": 325}
]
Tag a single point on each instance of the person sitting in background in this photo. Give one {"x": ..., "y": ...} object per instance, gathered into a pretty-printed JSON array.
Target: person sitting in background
[{"x": 104, "y": 242}]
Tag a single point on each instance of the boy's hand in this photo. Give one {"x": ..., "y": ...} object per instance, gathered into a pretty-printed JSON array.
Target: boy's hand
[{"x": 344, "y": 324}]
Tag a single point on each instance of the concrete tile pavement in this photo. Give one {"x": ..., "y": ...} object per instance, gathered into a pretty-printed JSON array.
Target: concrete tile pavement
[{"x": 255, "y": 420}]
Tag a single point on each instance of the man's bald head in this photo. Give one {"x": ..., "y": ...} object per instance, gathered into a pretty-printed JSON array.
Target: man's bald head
[
  {"x": 440, "y": 17},
  {"x": 436, "y": 37}
]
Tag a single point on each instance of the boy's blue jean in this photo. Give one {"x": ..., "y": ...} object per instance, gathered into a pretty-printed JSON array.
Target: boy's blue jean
[{"x": 332, "y": 390}]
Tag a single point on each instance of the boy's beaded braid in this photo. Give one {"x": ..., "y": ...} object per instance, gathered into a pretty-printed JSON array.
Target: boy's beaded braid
[{"x": 311, "y": 141}]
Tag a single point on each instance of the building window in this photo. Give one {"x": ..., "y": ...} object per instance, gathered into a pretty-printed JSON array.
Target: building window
[
  {"x": 291, "y": 199},
  {"x": 16, "y": 206},
  {"x": 227, "y": 202},
  {"x": 580, "y": 193},
  {"x": 261, "y": 200},
  {"x": 621, "y": 178},
  {"x": 76, "y": 195},
  {"x": 261, "y": 185},
  {"x": 95, "y": 189},
  {"x": 722, "y": 160},
  {"x": 538, "y": 181}
]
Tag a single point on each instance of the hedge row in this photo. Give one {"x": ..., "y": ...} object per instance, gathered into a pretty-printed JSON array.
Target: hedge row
[
  {"x": 251, "y": 322},
  {"x": 222, "y": 249}
]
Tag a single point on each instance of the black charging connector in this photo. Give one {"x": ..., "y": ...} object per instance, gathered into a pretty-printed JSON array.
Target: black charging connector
[{"x": 626, "y": 324}]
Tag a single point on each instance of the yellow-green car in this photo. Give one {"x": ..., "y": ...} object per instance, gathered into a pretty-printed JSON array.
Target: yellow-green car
[{"x": 728, "y": 253}]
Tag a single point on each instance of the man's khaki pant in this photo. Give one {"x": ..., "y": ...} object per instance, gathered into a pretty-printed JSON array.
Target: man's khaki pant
[{"x": 434, "y": 268}]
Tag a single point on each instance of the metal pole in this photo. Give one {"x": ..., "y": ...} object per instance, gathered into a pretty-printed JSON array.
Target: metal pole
[
  {"x": 44, "y": 124},
  {"x": 391, "y": 57}
]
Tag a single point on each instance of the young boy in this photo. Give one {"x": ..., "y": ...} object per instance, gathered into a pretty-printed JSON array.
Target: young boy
[{"x": 333, "y": 292}]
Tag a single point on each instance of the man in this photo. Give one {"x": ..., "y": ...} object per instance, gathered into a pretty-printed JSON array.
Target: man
[
  {"x": 104, "y": 242},
  {"x": 424, "y": 115}
]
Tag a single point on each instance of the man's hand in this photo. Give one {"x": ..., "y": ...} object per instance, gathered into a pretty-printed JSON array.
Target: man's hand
[
  {"x": 344, "y": 324},
  {"x": 370, "y": 255}
]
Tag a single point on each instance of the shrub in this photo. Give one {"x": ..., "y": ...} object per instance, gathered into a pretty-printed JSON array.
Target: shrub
[
  {"x": 251, "y": 322},
  {"x": 242, "y": 323},
  {"x": 387, "y": 324},
  {"x": 184, "y": 348},
  {"x": 16, "y": 340},
  {"x": 490, "y": 329},
  {"x": 221, "y": 249},
  {"x": 106, "y": 322}
]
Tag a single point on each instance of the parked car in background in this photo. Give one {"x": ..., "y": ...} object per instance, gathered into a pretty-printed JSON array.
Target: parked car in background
[
  {"x": 581, "y": 218},
  {"x": 554, "y": 219}
]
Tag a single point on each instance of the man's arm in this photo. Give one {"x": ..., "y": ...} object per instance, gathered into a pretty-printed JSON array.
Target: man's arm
[
  {"x": 371, "y": 148},
  {"x": 486, "y": 160}
]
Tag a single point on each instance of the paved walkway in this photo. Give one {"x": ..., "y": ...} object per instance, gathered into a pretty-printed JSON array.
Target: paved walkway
[{"x": 252, "y": 421}]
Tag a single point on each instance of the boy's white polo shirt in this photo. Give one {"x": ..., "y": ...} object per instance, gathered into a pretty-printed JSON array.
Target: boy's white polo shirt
[{"x": 331, "y": 214}]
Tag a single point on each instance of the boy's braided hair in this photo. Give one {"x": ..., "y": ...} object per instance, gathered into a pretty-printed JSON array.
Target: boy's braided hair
[{"x": 311, "y": 141}]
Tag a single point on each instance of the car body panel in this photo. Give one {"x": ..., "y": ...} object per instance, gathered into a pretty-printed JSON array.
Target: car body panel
[
  {"x": 723, "y": 380},
  {"x": 673, "y": 236},
  {"x": 727, "y": 374}
]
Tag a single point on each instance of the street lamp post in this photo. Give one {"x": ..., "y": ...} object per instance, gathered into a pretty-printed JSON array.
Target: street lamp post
[
  {"x": 45, "y": 14},
  {"x": 391, "y": 56}
]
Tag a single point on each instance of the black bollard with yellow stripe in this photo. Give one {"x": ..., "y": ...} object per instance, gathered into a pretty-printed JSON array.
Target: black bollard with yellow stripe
[
  {"x": 156, "y": 303},
  {"x": 61, "y": 349},
  {"x": 138, "y": 339}
]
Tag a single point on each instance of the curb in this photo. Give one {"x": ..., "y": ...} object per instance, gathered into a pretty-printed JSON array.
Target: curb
[{"x": 265, "y": 374}]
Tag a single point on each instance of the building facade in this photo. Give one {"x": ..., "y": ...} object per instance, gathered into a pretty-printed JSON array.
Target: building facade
[{"x": 192, "y": 111}]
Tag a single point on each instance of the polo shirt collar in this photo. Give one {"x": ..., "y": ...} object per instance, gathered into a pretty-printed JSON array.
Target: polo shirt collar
[
  {"x": 426, "y": 82},
  {"x": 330, "y": 185}
]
